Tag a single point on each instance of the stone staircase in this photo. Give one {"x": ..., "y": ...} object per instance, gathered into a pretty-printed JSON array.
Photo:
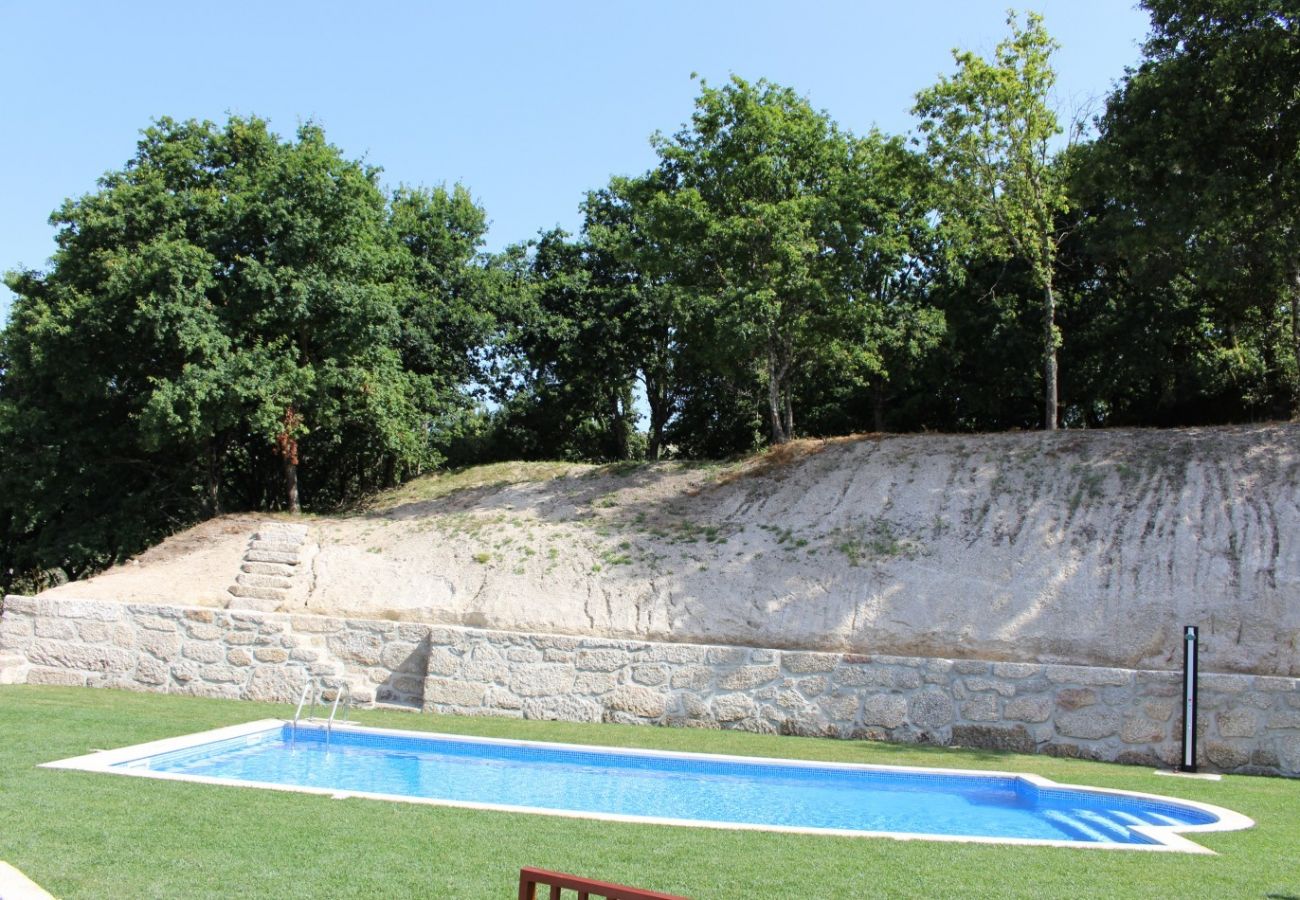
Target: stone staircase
[{"x": 276, "y": 571}]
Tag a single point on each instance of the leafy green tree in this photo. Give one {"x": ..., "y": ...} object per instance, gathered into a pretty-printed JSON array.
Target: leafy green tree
[
  {"x": 1149, "y": 344},
  {"x": 752, "y": 175},
  {"x": 882, "y": 243},
  {"x": 635, "y": 250},
  {"x": 447, "y": 299},
  {"x": 984, "y": 373},
  {"x": 715, "y": 289},
  {"x": 568, "y": 378},
  {"x": 445, "y": 318},
  {"x": 1200, "y": 150},
  {"x": 988, "y": 131},
  {"x": 226, "y": 308}
]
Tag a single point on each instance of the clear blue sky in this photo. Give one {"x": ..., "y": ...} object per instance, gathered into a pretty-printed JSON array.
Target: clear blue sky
[{"x": 527, "y": 104}]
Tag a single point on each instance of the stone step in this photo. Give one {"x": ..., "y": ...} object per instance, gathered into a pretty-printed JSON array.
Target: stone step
[
  {"x": 281, "y": 528},
  {"x": 264, "y": 581},
  {"x": 284, "y": 570},
  {"x": 275, "y": 554},
  {"x": 254, "y": 603},
  {"x": 272, "y": 556},
  {"x": 257, "y": 593},
  {"x": 275, "y": 547},
  {"x": 280, "y": 538}
]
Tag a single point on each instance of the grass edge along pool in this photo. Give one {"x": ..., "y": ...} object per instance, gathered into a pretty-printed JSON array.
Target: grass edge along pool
[{"x": 269, "y": 754}]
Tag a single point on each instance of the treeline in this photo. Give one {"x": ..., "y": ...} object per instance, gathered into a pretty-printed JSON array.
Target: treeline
[{"x": 240, "y": 321}]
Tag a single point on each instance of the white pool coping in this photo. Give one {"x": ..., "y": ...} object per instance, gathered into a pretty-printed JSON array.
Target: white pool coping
[
  {"x": 14, "y": 885},
  {"x": 1167, "y": 837}
]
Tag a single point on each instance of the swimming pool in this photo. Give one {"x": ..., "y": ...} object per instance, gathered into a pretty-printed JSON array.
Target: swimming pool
[{"x": 668, "y": 788}]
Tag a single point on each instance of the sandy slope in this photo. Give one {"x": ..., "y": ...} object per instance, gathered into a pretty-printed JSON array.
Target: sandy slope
[{"x": 1085, "y": 547}]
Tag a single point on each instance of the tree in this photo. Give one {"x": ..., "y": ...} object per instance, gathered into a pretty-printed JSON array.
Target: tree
[
  {"x": 447, "y": 299},
  {"x": 634, "y": 247},
  {"x": 882, "y": 242},
  {"x": 767, "y": 254},
  {"x": 231, "y": 315},
  {"x": 751, "y": 176},
  {"x": 985, "y": 374},
  {"x": 1200, "y": 149},
  {"x": 444, "y": 319},
  {"x": 1149, "y": 344},
  {"x": 988, "y": 132},
  {"x": 568, "y": 373}
]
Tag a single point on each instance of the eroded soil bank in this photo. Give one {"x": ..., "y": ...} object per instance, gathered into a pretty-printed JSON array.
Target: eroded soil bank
[{"x": 1088, "y": 548}]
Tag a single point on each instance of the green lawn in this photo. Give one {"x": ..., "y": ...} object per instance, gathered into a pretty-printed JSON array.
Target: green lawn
[{"x": 86, "y": 835}]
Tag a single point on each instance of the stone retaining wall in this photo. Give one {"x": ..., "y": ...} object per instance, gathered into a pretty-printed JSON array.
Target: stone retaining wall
[
  {"x": 1248, "y": 723},
  {"x": 235, "y": 654}
]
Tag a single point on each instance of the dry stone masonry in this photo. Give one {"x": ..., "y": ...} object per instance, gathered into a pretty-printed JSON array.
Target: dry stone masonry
[
  {"x": 1250, "y": 723},
  {"x": 232, "y": 654},
  {"x": 276, "y": 571},
  {"x": 13, "y": 668}
]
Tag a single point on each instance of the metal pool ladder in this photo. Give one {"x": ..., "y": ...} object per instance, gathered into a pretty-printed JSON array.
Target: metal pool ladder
[{"x": 318, "y": 696}]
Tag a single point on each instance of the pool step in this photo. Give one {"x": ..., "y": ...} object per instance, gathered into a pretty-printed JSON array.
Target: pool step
[
  {"x": 1089, "y": 825},
  {"x": 1158, "y": 819},
  {"x": 275, "y": 573},
  {"x": 1117, "y": 831}
]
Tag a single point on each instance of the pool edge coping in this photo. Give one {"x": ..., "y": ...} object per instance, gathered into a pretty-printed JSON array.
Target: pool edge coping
[{"x": 1167, "y": 838}]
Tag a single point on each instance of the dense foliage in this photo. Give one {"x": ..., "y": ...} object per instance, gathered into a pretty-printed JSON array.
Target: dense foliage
[
  {"x": 226, "y": 312},
  {"x": 988, "y": 133},
  {"x": 238, "y": 321},
  {"x": 1195, "y": 202}
]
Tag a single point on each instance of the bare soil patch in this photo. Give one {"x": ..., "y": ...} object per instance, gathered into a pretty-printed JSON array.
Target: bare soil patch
[{"x": 1078, "y": 547}]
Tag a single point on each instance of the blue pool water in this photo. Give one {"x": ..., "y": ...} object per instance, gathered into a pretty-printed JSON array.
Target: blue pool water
[{"x": 592, "y": 781}]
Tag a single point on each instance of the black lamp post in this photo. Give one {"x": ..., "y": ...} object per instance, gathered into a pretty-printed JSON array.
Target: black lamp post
[{"x": 1191, "y": 637}]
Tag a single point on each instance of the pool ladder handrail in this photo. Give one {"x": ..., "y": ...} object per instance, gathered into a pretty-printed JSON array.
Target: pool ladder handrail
[
  {"x": 318, "y": 696},
  {"x": 339, "y": 691},
  {"x": 297, "y": 714}
]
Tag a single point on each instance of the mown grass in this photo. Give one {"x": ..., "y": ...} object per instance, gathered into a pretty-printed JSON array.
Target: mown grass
[{"x": 89, "y": 835}]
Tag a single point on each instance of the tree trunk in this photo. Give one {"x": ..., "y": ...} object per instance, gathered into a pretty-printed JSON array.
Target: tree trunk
[
  {"x": 655, "y": 438},
  {"x": 789, "y": 415},
  {"x": 287, "y": 446},
  {"x": 619, "y": 426},
  {"x": 654, "y": 395},
  {"x": 214, "y": 479},
  {"x": 779, "y": 435},
  {"x": 1295, "y": 343},
  {"x": 1049, "y": 358},
  {"x": 878, "y": 403},
  {"x": 291, "y": 485}
]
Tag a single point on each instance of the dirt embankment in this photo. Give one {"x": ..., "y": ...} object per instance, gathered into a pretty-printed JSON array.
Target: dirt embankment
[{"x": 1078, "y": 547}]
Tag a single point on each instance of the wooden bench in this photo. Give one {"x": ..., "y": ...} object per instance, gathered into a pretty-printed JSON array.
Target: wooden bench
[{"x": 531, "y": 879}]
